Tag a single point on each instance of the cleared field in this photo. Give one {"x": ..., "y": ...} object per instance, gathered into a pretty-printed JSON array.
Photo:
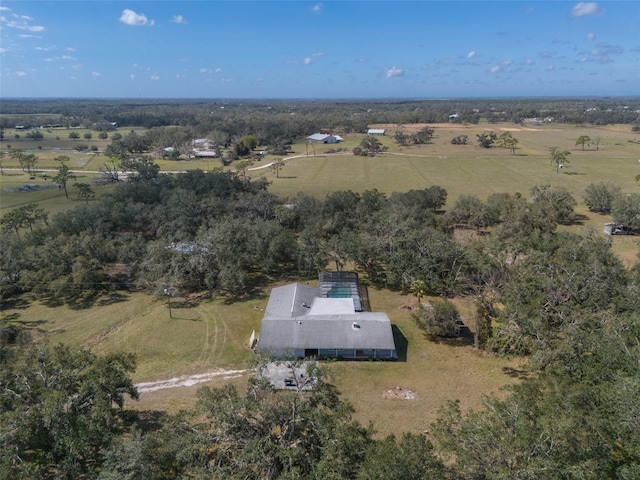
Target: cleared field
[
  {"x": 214, "y": 334},
  {"x": 468, "y": 169},
  {"x": 198, "y": 337}
]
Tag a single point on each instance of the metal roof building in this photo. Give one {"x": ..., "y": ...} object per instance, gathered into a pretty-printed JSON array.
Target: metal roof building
[
  {"x": 322, "y": 138},
  {"x": 301, "y": 322}
]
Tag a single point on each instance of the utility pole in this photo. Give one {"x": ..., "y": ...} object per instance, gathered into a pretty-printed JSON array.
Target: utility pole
[{"x": 167, "y": 292}]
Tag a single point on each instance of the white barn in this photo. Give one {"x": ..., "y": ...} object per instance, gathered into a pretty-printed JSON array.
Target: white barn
[
  {"x": 377, "y": 132},
  {"x": 322, "y": 138}
]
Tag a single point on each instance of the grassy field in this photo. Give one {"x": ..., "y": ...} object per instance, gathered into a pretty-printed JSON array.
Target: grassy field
[
  {"x": 469, "y": 169},
  {"x": 214, "y": 333}
]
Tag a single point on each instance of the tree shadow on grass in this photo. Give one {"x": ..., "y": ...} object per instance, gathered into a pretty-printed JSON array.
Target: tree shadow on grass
[
  {"x": 148, "y": 420},
  {"x": 254, "y": 293},
  {"x": 17, "y": 303},
  {"x": 464, "y": 339},
  {"x": 519, "y": 373},
  {"x": 401, "y": 342}
]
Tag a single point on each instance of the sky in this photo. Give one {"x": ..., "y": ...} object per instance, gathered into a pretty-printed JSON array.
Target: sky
[{"x": 330, "y": 49}]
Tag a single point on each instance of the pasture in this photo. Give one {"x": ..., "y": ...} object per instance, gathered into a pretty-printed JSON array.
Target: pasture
[{"x": 469, "y": 169}]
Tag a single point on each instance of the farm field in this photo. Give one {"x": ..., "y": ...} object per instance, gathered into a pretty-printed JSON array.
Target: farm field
[{"x": 469, "y": 169}]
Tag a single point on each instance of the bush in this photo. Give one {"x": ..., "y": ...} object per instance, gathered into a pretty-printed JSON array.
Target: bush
[
  {"x": 460, "y": 140},
  {"x": 440, "y": 318}
]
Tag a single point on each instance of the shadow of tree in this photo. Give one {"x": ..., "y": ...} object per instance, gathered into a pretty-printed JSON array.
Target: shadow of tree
[
  {"x": 516, "y": 372},
  {"x": 464, "y": 339}
]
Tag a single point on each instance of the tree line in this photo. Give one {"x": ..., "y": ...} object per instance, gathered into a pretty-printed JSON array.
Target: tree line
[{"x": 289, "y": 119}]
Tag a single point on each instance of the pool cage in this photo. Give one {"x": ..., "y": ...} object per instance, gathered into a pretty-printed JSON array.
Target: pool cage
[{"x": 344, "y": 285}]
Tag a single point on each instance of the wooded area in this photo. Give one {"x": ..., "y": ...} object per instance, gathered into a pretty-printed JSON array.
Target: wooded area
[{"x": 562, "y": 299}]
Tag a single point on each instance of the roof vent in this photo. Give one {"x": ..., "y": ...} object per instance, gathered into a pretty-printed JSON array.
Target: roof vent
[{"x": 355, "y": 326}]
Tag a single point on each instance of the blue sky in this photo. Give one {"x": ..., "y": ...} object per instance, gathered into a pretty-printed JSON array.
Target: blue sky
[{"x": 328, "y": 49}]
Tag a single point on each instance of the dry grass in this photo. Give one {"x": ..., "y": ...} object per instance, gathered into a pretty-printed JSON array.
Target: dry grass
[
  {"x": 214, "y": 334},
  {"x": 435, "y": 371}
]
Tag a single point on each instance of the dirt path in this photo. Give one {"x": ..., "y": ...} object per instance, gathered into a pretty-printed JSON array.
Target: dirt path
[{"x": 187, "y": 380}]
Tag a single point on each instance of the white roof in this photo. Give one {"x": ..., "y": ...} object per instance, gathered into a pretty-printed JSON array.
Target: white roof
[{"x": 319, "y": 136}]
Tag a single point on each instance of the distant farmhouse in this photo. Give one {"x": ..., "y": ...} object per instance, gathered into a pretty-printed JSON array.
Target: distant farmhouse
[
  {"x": 324, "y": 138},
  {"x": 376, "y": 132},
  {"x": 330, "y": 320},
  {"x": 203, "y": 148}
]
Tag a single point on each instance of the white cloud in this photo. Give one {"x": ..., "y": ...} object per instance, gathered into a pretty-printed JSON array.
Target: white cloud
[
  {"x": 21, "y": 73},
  {"x": 547, "y": 54},
  {"x": 307, "y": 61},
  {"x": 583, "y": 9},
  {"x": 129, "y": 17},
  {"x": 218, "y": 70},
  {"x": 318, "y": 54},
  {"x": 590, "y": 36},
  {"x": 4, "y": 9},
  {"x": 503, "y": 66},
  {"x": 603, "y": 51},
  {"x": 67, "y": 57},
  {"x": 317, "y": 8},
  {"x": 471, "y": 54},
  {"x": 132, "y": 77},
  {"x": 203, "y": 70},
  {"x": 96, "y": 74},
  {"x": 3, "y": 50},
  {"x": 69, "y": 49},
  {"x": 179, "y": 19},
  {"x": 394, "y": 72},
  {"x": 155, "y": 76}
]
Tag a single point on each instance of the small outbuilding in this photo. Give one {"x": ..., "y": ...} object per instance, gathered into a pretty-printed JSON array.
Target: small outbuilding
[
  {"x": 376, "y": 132},
  {"x": 615, "y": 228}
]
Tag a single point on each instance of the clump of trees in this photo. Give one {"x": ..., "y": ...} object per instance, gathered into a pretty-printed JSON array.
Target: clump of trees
[
  {"x": 423, "y": 136},
  {"x": 460, "y": 140},
  {"x": 486, "y": 139},
  {"x": 440, "y": 317},
  {"x": 599, "y": 196},
  {"x": 369, "y": 147}
]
